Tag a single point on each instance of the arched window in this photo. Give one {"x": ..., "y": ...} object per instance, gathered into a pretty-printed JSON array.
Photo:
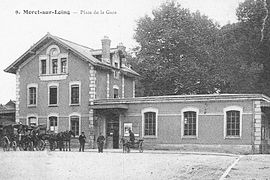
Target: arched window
[
  {"x": 149, "y": 122},
  {"x": 115, "y": 91},
  {"x": 75, "y": 124},
  {"x": 32, "y": 120},
  {"x": 189, "y": 125},
  {"x": 233, "y": 121},
  {"x": 53, "y": 124}
]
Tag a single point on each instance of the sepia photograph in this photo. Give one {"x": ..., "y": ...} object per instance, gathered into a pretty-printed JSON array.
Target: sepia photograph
[{"x": 135, "y": 89}]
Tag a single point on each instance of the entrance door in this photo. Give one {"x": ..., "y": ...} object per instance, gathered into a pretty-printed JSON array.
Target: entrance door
[{"x": 113, "y": 131}]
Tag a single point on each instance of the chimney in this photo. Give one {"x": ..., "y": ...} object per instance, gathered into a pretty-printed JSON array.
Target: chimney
[{"x": 106, "y": 43}]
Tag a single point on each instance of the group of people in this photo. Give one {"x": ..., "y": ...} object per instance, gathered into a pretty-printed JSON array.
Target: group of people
[{"x": 101, "y": 140}]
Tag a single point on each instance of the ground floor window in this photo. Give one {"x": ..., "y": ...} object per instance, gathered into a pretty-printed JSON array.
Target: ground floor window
[
  {"x": 233, "y": 123},
  {"x": 75, "y": 125},
  {"x": 190, "y": 125},
  {"x": 32, "y": 121},
  {"x": 53, "y": 124},
  {"x": 150, "y": 124}
]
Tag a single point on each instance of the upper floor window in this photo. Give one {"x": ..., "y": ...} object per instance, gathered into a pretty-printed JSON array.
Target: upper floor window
[
  {"x": 53, "y": 94},
  {"x": 115, "y": 91},
  {"x": 63, "y": 65},
  {"x": 189, "y": 125},
  {"x": 32, "y": 94},
  {"x": 75, "y": 93},
  {"x": 54, "y": 66},
  {"x": 149, "y": 116},
  {"x": 232, "y": 121},
  {"x": 43, "y": 66},
  {"x": 54, "y": 62}
]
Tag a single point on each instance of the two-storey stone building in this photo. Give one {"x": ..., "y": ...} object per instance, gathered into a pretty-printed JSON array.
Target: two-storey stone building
[{"x": 69, "y": 86}]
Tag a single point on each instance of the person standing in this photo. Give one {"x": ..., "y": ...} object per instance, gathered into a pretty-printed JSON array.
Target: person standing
[
  {"x": 82, "y": 141},
  {"x": 100, "y": 142},
  {"x": 131, "y": 136}
]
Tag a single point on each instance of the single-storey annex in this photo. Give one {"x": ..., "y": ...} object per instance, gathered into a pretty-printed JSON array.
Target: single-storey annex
[{"x": 66, "y": 85}]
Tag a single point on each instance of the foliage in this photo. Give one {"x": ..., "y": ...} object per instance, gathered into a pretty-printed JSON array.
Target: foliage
[{"x": 186, "y": 53}]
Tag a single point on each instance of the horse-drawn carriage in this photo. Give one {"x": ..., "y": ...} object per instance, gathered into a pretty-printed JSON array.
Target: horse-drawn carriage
[
  {"x": 127, "y": 145},
  {"x": 23, "y": 137}
]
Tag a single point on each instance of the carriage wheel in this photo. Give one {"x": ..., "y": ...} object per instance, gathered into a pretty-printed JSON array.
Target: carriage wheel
[
  {"x": 41, "y": 145},
  {"x": 140, "y": 147},
  {"x": 5, "y": 144},
  {"x": 30, "y": 146},
  {"x": 14, "y": 145}
]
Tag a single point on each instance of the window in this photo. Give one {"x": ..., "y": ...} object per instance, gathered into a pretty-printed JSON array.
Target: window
[
  {"x": 32, "y": 121},
  {"x": 189, "y": 122},
  {"x": 53, "y": 124},
  {"x": 53, "y": 62},
  {"x": 75, "y": 125},
  {"x": 232, "y": 122},
  {"x": 116, "y": 74},
  {"x": 63, "y": 65},
  {"x": 32, "y": 94},
  {"x": 53, "y": 94},
  {"x": 54, "y": 66},
  {"x": 115, "y": 93},
  {"x": 149, "y": 119},
  {"x": 75, "y": 94},
  {"x": 43, "y": 66},
  {"x": 150, "y": 124}
]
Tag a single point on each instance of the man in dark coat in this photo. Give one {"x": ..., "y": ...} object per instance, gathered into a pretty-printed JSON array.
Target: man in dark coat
[
  {"x": 82, "y": 141},
  {"x": 100, "y": 142},
  {"x": 131, "y": 136}
]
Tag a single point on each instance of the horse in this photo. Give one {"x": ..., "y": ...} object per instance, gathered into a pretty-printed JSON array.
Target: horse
[
  {"x": 66, "y": 138},
  {"x": 127, "y": 145}
]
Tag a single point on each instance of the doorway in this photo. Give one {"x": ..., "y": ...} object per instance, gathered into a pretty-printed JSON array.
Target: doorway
[{"x": 112, "y": 131}]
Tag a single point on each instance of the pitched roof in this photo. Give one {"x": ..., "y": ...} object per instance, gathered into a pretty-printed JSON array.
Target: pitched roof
[{"x": 84, "y": 52}]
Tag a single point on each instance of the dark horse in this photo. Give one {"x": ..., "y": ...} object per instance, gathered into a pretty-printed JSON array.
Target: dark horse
[{"x": 66, "y": 138}]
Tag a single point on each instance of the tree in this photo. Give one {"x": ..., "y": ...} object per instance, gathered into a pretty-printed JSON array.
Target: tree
[{"x": 176, "y": 52}]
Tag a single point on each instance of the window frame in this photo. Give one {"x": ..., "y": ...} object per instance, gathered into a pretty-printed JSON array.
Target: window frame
[
  {"x": 32, "y": 85},
  {"x": 189, "y": 109},
  {"x": 146, "y": 110},
  {"x": 70, "y": 94},
  {"x": 58, "y": 56},
  {"x": 48, "y": 121},
  {"x": 57, "y": 98},
  {"x": 115, "y": 87},
  {"x": 80, "y": 122},
  {"x": 233, "y": 108},
  {"x": 31, "y": 116}
]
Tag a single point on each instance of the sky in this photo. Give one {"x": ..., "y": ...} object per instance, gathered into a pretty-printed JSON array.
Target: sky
[{"x": 88, "y": 22}]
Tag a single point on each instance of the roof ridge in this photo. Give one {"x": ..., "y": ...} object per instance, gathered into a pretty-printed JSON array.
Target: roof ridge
[{"x": 73, "y": 42}]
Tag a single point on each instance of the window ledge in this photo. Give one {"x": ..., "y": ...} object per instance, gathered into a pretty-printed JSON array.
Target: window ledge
[
  {"x": 50, "y": 77},
  {"x": 150, "y": 137},
  {"x": 232, "y": 137},
  {"x": 31, "y": 106},
  {"x": 74, "y": 104},
  {"x": 189, "y": 137},
  {"x": 53, "y": 105}
]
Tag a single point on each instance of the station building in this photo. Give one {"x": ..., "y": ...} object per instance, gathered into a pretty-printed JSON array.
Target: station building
[{"x": 68, "y": 86}]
